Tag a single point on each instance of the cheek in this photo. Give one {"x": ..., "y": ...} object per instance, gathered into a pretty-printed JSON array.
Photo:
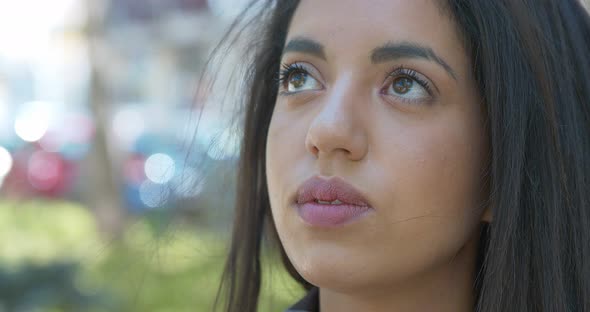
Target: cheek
[
  {"x": 285, "y": 148},
  {"x": 274, "y": 161},
  {"x": 430, "y": 182},
  {"x": 433, "y": 169},
  {"x": 285, "y": 164}
]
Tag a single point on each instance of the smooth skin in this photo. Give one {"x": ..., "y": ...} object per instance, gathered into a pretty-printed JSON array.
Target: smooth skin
[{"x": 381, "y": 94}]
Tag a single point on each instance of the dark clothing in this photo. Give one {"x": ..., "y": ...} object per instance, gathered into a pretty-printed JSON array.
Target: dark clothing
[{"x": 309, "y": 303}]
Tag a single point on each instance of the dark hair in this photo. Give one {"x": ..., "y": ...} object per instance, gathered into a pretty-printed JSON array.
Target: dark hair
[{"x": 531, "y": 61}]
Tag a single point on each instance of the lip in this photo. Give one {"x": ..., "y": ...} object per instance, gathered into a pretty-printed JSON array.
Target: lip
[{"x": 352, "y": 207}]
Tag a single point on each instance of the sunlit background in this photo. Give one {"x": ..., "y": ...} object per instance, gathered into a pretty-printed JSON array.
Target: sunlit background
[{"x": 110, "y": 198}]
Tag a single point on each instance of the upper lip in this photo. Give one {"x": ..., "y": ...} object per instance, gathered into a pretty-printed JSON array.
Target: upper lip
[{"x": 335, "y": 188}]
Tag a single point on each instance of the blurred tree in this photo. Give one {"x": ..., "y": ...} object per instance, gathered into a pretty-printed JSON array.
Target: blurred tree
[{"x": 102, "y": 193}]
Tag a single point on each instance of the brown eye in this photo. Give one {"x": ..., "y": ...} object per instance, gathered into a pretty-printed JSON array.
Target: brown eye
[
  {"x": 407, "y": 88},
  {"x": 402, "y": 85},
  {"x": 301, "y": 81},
  {"x": 296, "y": 78}
]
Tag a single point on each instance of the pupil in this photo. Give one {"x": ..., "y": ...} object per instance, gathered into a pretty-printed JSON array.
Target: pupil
[
  {"x": 297, "y": 80},
  {"x": 402, "y": 85}
]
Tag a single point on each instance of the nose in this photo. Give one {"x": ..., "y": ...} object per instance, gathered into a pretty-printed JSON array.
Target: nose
[{"x": 338, "y": 128}]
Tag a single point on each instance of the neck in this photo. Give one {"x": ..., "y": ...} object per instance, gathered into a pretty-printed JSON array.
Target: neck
[{"x": 449, "y": 287}]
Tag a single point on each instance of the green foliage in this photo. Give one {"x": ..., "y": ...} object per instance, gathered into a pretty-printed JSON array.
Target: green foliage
[
  {"x": 34, "y": 287},
  {"x": 156, "y": 266}
]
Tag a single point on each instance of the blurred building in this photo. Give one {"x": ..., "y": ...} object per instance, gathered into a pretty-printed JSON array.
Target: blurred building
[{"x": 98, "y": 104}]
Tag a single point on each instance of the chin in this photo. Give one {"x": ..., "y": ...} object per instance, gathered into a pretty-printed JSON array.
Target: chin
[{"x": 333, "y": 268}]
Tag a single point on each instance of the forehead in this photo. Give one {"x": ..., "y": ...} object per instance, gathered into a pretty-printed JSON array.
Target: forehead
[{"x": 358, "y": 26}]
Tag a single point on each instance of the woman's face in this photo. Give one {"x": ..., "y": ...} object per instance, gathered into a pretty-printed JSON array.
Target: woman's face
[{"x": 378, "y": 94}]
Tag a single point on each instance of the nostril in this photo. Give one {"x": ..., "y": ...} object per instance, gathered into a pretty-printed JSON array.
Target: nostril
[{"x": 315, "y": 150}]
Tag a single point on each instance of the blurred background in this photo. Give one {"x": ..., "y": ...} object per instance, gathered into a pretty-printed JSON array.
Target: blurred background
[{"x": 110, "y": 198}]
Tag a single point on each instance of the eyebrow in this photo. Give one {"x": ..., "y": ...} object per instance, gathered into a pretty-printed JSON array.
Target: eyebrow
[
  {"x": 387, "y": 52},
  {"x": 305, "y": 45},
  {"x": 397, "y": 50}
]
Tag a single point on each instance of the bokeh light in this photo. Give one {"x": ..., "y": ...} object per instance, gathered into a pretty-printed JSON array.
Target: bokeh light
[
  {"x": 45, "y": 171},
  {"x": 32, "y": 121},
  {"x": 160, "y": 168},
  {"x": 5, "y": 162},
  {"x": 153, "y": 195}
]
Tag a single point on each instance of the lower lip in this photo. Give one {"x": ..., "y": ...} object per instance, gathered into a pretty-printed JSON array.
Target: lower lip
[{"x": 330, "y": 215}]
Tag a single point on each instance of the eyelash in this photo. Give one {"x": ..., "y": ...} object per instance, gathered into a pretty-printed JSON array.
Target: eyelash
[
  {"x": 402, "y": 71},
  {"x": 287, "y": 69}
]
